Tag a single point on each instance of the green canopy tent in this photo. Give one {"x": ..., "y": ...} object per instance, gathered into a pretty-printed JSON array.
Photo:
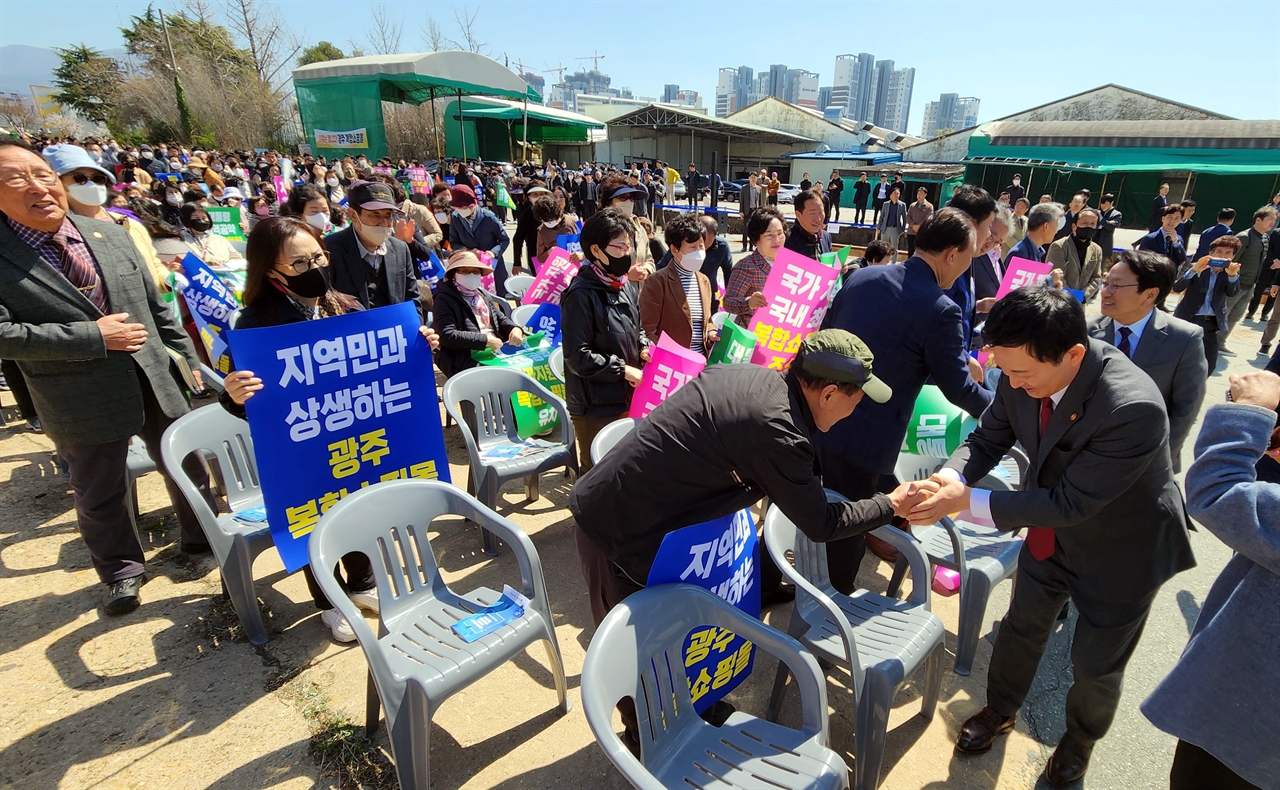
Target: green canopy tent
[
  {"x": 340, "y": 101},
  {"x": 489, "y": 130}
]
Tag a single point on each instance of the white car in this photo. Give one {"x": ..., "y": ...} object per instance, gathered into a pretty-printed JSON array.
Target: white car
[
  {"x": 680, "y": 190},
  {"x": 787, "y": 193}
]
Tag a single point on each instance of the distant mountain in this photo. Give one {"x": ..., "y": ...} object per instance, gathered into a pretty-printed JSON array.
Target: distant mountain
[{"x": 22, "y": 66}]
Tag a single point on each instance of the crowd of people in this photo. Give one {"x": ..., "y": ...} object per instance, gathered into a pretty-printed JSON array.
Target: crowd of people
[{"x": 94, "y": 234}]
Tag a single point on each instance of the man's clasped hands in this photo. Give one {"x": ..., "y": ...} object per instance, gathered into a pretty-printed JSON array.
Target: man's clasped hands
[{"x": 927, "y": 501}]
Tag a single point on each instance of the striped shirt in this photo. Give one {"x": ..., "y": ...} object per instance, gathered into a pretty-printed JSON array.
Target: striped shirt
[{"x": 694, "y": 296}]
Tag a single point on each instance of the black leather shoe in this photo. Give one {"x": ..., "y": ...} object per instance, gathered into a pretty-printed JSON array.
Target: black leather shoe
[
  {"x": 122, "y": 596},
  {"x": 1068, "y": 762},
  {"x": 190, "y": 547},
  {"x": 981, "y": 730},
  {"x": 784, "y": 593}
]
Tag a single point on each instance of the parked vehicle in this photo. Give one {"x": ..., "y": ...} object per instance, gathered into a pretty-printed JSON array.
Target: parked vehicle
[{"x": 787, "y": 193}]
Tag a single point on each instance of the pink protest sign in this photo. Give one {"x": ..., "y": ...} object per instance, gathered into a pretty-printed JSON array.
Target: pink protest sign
[
  {"x": 670, "y": 367},
  {"x": 1021, "y": 273},
  {"x": 796, "y": 293},
  {"x": 278, "y": 183},
  {"x": 553, "y": 277},
  {"x": 418, "y": 180},
  {"x": 487, "y": 281}
]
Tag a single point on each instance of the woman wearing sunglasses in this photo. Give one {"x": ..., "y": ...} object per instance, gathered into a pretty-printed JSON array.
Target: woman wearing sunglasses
[{"x": 287, "y": 281}]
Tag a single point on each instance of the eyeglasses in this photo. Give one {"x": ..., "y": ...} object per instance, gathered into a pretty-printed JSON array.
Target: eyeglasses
[
  {"x": 1108, "y": 285},
  {"x": 16, "y": 180},
  {"x": 97, "y": 178},
  {"x": 620, "y": 246},
  {"x": 304, "y": 265}
]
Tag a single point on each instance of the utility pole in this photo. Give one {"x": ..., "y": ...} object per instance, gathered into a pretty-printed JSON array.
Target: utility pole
[{"x": 184, "y": 111}]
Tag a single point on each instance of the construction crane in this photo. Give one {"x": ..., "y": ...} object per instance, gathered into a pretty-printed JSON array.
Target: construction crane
[
  {"x": 558, "y": 71},
  {"x": 595, "y": 60},
  {"x": 521, "y": 66}
]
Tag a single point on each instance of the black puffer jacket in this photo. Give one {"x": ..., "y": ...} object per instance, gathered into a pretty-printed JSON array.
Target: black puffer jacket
[
  {"x": 601, "y": 336},
  {"x": 459, "y": 330}
]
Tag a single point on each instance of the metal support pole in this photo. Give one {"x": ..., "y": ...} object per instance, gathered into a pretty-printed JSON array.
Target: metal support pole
[
  {"x": 462, "y": 130},
  {"x": 435, "y": 131}
]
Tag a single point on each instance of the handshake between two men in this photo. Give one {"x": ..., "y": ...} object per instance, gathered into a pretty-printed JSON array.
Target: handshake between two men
[{"x": 927, "y": 501}]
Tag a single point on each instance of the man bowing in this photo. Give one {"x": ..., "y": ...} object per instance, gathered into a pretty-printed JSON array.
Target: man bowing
[{"x": 1106, "y": 524}]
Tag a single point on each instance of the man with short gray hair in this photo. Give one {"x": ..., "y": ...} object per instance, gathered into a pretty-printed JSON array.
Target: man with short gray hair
[
  {"x": 1042, "y": 224},
  {"x": 1077, "y": 255}
]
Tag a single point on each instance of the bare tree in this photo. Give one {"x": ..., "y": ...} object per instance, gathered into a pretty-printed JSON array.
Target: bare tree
[
  {"x": 16, "y": 112},
  {"x": 270, "y": 43},
  {"x": 384, "y": 38},
  {"x": 433, "y": 36},
  {"x": 467, "y": 27}
]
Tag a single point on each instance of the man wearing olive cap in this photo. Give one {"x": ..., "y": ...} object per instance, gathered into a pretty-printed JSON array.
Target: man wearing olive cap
[
  {"x": 733, "y": 435},
  {"x": 723, "y": 441}
]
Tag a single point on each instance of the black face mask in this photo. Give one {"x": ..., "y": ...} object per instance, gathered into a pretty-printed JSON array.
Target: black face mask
[
  {"x": 617, "y": 266},
  {"x": 200, "y": 224},
  {"x": 1085, "y": 234},
  {"x": 312, "y": 283}
]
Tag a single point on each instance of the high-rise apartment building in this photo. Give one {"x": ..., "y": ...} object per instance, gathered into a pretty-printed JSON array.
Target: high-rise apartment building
[
  {"x": 824, "y": 97},
  {"x": 727, "y": 92},
  {"x": 777, "y": 81},
  {"x": 879, "y": 97},
  {"x": 898, "y": 102},
  {"x": 801, "y": 88},
  {"x": 851, "y": 85},
  {"x": 949, "y": 113}
]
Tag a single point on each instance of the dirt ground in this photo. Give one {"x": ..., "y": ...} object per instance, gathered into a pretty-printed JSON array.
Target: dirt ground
[{"x": 172, "y": 696}]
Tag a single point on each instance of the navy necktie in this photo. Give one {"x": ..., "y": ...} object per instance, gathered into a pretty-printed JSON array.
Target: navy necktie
[{"x": 1124, "y": 344}]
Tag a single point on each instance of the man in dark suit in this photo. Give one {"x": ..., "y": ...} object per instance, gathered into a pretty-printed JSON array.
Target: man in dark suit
[
  {"x": 1106, "y": 524},
  {"x": 1170, "y": 350},
  {"x": 1164, "y": 240},
  {"x": 1158, "y": 204},
  {"x": 366, "y": 260},
  {"x": 1109, "y": 220},
  {"x": 904, "y": 316},
  {"x": 1205, "y": 290},
  {"x": 80, "y": 315},
  {"x": 1016, "y": 190},
  {"x": 1042, "y": 224},
  {"x": 1223, "y": 228}
]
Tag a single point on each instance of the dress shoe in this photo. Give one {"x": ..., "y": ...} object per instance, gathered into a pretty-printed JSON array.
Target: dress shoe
[
  {"x": 981, "y": 730},
  {"x": 784, "y": 593},
  {"x": 1068, "y": 762},
  {"x": 122, "y": 596}
]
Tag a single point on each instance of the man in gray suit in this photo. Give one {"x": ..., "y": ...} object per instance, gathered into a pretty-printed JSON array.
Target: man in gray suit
[
  {"x": 1106, "y": 523},
  {"x": 80, "y": 315},
  {"x": 1168, "y": 349},
  {"x": 750, "y": 199}
]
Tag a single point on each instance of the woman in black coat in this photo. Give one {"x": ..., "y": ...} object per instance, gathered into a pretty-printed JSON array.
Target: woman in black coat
[{"x": 467, "y": 317}]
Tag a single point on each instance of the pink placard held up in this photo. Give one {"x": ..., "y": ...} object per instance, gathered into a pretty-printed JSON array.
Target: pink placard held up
[
  {"x": 554, "y": 275},
  {"x": 796, "y": 295},
  {"x": 1021, "y": 273},
  {"x": 281, "y": 195},
  {"x": 670, "y": 367},
  {"x": 487, "y": 281}
]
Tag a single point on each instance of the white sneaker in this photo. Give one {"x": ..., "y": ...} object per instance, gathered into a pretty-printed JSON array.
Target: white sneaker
[
  {"x": 366, "y": 600},
  {"x": 338, "y": 625}
]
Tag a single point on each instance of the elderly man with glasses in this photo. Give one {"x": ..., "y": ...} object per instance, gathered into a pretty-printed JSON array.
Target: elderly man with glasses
[
  {"x": 369, "y": 261},
  {"x": 80, "y": 314}
]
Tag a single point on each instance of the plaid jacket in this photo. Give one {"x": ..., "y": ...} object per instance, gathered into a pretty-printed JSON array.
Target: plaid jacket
[{"x": 748, "y": 277}]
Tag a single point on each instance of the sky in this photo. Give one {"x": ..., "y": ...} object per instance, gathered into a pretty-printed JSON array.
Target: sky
[{"x": 1012, "y": 55}]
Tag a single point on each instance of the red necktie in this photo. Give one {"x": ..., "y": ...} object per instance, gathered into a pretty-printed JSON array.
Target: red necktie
[{"x": 1040, "y": 539}]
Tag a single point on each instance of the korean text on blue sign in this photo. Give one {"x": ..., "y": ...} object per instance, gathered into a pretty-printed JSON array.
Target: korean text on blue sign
[
  {"x": 346, "y": 402},
  {"x": 546, "y": 319},
  {"x": 211, "y": 304},
  {"x": 719, "y": 555}
]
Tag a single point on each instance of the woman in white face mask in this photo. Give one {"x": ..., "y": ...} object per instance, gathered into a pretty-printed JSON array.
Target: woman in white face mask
[
  {"x": 677, "y": 300},
  {"x": 308, "y": 203},
  {"x": 467, "y": 317},
  {"x": 552, "y": 224},
  {"x": 88, "y": 185}
]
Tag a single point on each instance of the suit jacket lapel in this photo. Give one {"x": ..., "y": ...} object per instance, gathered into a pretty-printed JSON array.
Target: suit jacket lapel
[
  {"x": 27, "y": 260},
  {"x": 1153, "y": 337},
  {"x": 1071, "y": 408}
]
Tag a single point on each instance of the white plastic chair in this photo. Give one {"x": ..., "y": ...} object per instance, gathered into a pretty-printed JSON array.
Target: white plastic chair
[
  {"x": 523, "y": 313},
  {"x": 235, "y": 544},
  {"x": 416, "y": 661},
  {"x": 638, "y": 652},
  {"x": 881, "y": 641},
  {"x": 983, "y": 556},
  {"x": 719, "y": 318},
  {"x": 517, "y": 284},
  {"x": 489, "y": 391},
  {"x": 609, "y": 437},
  {"x": 556, "y": 363}
]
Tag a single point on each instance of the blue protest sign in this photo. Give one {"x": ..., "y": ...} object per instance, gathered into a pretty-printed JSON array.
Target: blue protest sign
[
  {"x": 1079, "y": 295},
  {"x": 719, "y": 555},
  {"x": 569, "y": 242},
  {"x": 211, "y": 304},
  {"x": 347, "y": 402},
  {"x": 431, "y": 270},
  {"x": 546, "y": 319}
]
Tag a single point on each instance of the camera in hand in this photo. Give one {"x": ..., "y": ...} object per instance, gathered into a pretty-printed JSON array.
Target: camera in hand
[{"x": 1218, "y": 263}]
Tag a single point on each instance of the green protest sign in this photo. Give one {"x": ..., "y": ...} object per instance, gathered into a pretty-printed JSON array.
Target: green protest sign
[
  {"x": 226, "y": 222},
  {"x": 734, "y": 346},
  {"x": 937, "y": 427},
  {"x": 533, "y": 415}
]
